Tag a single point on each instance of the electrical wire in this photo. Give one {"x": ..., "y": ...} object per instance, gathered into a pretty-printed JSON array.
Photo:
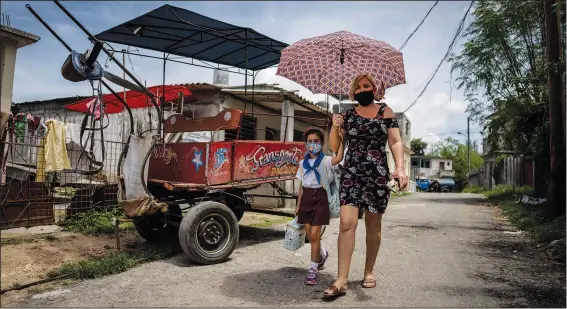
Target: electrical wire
[
  {"x": 416, "y": 28},
  {"x": 458, "y": 32}
]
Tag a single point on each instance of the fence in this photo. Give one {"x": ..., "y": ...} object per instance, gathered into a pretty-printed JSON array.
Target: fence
[
  {"x": 509, "y": 171},
  {"x": 30, "y": 196}
]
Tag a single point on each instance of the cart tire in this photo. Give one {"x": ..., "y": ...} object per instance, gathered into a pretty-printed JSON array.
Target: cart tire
[
  {"x": 153, "y": 230},
  {"x": 209, "y": 233}
]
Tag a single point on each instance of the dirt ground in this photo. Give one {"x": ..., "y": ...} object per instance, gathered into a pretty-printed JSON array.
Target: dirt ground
[{"x": 25, "y": 260}]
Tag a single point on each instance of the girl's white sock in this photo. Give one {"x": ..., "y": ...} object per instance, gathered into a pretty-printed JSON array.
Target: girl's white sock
[
  {"x": 313, "y": 265},
  {"x": 322, "y": 252}
]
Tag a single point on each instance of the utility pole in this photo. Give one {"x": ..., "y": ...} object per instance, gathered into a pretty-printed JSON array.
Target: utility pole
[
  {"x": 556, "y": 136},
  {"x": 468, "y": 147}
]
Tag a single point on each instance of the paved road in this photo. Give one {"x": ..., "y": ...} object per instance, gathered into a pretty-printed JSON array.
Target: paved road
[{"x": 438, "y": 250}]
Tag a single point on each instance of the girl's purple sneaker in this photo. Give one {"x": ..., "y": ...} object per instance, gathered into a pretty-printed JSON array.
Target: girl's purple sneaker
[{"x": 311, "y": 278}]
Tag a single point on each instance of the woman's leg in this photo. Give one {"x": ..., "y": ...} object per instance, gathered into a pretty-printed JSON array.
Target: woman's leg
[
  {"x": 373, "y": 224},
  {"x": 348, "y": 223}
]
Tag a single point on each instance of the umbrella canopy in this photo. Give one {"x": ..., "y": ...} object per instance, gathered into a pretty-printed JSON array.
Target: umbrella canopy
[
  {"x": 328, "y": 63},
  {"x": 134, "y": 99}
]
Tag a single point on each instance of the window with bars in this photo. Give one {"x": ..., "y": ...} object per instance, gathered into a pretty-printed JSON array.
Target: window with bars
[{"x": 247, "y": 130}]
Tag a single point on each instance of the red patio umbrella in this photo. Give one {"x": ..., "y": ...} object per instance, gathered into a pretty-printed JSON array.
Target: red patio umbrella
[{"x": 134, "y": 99}]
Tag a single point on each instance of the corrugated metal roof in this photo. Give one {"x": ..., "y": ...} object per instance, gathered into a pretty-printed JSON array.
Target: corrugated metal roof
[{"x": 62, "y": 100}]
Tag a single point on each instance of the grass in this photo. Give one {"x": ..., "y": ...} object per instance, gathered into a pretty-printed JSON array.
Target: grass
[
  {"x": 270, "y": 222},
  {"x": 530, "y": 218},
  {"x": 97, "y": 222},
  {"x": 473, "y": 189},
  {"x": 29, "y": 239},
  {"x": 117, "y": 262}
]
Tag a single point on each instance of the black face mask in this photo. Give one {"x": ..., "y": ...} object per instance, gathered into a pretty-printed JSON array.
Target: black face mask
[{"x": 364, "y": 98}]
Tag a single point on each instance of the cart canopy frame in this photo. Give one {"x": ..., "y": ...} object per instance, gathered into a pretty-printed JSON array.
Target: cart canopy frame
[{"x": 181, "y": 32}]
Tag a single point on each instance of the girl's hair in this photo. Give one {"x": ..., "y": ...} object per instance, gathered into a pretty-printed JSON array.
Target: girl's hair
[
  {"x": 314, "y": 131},
  {"x": 381, "y": 89}
]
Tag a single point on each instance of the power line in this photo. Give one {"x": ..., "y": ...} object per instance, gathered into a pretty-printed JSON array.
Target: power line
[
  {"x": 415, "y": 30},
  {"x": 459, "y": 29}
]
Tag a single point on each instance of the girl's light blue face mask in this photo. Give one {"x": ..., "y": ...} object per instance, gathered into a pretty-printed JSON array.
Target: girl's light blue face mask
[{"x": 313, "y": 148}]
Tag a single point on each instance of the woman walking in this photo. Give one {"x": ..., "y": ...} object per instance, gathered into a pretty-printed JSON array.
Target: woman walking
[{"x": 365, "y": 129}]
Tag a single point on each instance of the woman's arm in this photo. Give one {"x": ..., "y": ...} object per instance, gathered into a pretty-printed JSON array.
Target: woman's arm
[
  {"x": 337, "y": 133},
  {"x": 397, "y": 147},
  {"x": 340, "y": 155},
  {"x": 395, "y": 141}
]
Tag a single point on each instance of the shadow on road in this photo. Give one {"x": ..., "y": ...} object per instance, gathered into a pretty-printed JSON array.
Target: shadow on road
[
  {"x": 449, "y": 198},
  {"x": 249, "y": 236},
  {"x": 282, "y": 287},
  {"x": 518, "y": 274}
]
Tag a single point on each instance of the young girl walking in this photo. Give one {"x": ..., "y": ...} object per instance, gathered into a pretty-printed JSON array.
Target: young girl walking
[{"x": 312, "y": 202}]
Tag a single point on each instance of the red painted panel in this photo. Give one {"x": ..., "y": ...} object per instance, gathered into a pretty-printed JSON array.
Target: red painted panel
[
  {"x": 219, "y": 164},
  {"x": 179, "y": 162},
  {"x": 261, "y": 159}
]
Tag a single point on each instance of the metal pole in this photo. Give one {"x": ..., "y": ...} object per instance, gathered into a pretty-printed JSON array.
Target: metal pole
[
  {"x": 111, "y": 56},
  {"x": 468, "y": 148}
]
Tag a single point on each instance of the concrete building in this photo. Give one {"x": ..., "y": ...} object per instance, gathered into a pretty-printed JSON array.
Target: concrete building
[
  {"x": 432, "y": 167},
  {"x": 11, "y": 40}
]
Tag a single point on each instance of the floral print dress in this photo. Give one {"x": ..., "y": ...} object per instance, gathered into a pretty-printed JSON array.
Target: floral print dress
[{"x": 365, "y": 173}]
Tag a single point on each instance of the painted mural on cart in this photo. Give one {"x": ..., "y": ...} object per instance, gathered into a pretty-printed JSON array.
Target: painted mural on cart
[
  {"x": 219, "y": 163},
  {"x": 182, "y": 163},
  {"x": 266, "y": 159}
]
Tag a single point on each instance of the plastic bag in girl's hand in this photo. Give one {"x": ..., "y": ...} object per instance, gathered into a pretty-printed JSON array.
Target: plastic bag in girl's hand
[{"x": 294, "y": 235}]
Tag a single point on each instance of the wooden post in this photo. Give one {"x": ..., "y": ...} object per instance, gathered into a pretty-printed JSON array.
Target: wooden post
[{"x": 556, "y": 122}]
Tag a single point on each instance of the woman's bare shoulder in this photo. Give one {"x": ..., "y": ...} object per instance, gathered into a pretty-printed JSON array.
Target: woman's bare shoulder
[{"x": 388, "y": 112}]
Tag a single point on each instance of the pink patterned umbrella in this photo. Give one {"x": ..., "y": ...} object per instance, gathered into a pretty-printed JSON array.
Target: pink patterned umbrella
[{"x": 328, "y": 63}]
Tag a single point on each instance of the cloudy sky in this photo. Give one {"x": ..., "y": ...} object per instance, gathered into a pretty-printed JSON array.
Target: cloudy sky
[{"x": 436, "y": 115}]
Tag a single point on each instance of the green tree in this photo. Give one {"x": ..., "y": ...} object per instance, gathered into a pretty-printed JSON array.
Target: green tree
[
  {"x": 503, "y": 72},
  {"x": 450, "y": 148},
  {"x": 418, "y": 146}
]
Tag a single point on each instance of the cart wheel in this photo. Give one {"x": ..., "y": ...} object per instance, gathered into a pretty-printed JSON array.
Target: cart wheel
[
  {"x": 153, "y": 229},
  {"x": 209, "y": 232}
]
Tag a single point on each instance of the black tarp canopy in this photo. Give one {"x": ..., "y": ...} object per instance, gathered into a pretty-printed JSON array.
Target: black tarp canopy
[{"x": 177, "y": 31}]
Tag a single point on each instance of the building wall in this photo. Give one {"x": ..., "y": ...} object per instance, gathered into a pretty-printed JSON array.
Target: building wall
[
  {"x": 8, "y": 50},
  {"x": 434, "y": 169},
  {"x": 405, "y": 129}
]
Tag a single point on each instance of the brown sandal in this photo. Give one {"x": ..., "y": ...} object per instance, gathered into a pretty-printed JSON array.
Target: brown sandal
[
  {"x": 368, "y": 283},
  {"x": 336, "y": 292}
]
